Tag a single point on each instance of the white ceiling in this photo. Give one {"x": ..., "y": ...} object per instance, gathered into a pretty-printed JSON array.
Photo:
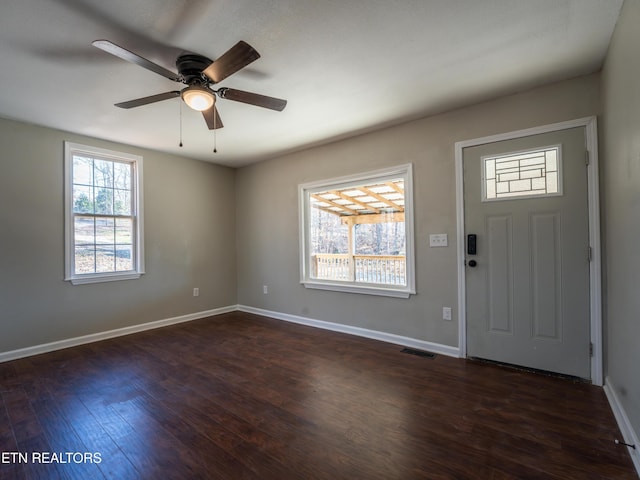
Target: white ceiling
[{"x": 345, "y": 66}]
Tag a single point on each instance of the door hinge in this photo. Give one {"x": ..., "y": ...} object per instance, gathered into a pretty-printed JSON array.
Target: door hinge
[
  {"x": 589, "y": 253},
  {"x": 586, "y": 157},
  {"x": 591, "y": 349}
]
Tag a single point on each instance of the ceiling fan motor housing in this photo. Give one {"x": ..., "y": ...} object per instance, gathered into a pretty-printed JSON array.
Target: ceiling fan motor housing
[{"x": 190, "y": 67}]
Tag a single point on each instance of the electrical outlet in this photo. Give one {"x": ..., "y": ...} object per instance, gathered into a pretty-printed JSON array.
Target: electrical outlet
[
  {"x": 446, "y": 313},
  {"x": 265, "y": 289},
  {"x": 196, "y": 292}
]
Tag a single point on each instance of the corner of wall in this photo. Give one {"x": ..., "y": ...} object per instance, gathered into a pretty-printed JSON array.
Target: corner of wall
[{"x": 629, "y": 435}]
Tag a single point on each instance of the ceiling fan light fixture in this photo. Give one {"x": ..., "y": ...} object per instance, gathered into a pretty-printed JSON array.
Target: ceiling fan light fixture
[{"x": 198, "y": 98}]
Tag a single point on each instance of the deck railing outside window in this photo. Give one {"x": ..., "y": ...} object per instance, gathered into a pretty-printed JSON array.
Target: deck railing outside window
[{"x": 378, "y": 269}]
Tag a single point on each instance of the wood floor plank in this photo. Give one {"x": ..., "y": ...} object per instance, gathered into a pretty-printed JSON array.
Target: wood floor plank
[
  {"x": 112, "y": 462},
  {"x": 240, "y": 396},
  {"x": 63, "y": 440}
]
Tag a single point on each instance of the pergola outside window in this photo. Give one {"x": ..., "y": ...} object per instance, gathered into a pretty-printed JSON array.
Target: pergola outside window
[{"x": 357, "y": 233}]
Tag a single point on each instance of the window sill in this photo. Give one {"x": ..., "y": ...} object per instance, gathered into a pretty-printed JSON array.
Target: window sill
[
  {"x": 103, "y": 278},
  {"x": 361, "y": 289}
]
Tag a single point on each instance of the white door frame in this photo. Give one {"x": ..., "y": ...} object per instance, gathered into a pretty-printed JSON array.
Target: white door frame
[{"x": 595, "y": 267}]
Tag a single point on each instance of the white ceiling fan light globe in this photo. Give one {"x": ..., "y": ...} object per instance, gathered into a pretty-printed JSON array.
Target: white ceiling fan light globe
[{"x": 198, "y": 98}]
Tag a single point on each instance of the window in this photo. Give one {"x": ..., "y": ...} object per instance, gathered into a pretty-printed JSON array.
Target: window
[
  {"x": 527, "y": 174},
  {"x": 103, "y": 215},
  {"x": 356, "y": 233}
]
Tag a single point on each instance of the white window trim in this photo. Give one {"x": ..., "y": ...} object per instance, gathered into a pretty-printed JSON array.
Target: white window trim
[
  {"x": 71, "y": 149},
  {"x": 405, "y": 171}
]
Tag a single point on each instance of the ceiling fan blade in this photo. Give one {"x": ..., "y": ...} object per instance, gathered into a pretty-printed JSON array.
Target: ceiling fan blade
[
  {"x": 138, "y": 102},
  {"x": 125, "y": 54},
  {"x": 237, "y": 57},
  {"x": 252, "y": 99},
  {"x": 208, "y": 117}
]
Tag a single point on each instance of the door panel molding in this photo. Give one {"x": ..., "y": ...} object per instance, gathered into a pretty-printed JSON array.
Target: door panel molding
[
  {"x": 595, "y": 267},
  {"x": 499, "y": 235},
  {"x": 546, "y": 284}
]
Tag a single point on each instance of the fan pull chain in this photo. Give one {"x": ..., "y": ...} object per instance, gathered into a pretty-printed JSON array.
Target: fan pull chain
[
  {"x": 180, "y": 106},
  {"x": 213, "y": 112}
]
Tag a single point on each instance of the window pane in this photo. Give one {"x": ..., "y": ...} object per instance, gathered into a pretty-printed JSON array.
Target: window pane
[
  {"x": 522, "y": 174},
  {"x": 82, "y": 199},
  {"x": 124, "y": 257},
  {"x": 122, "y": 202},
  {"x": 329, "y": 246},
  {"x": 84, "y": 259},
  {"x": 103, "y": 201},
  {"x": 105, "y": 259},
  {"x": 103, "y": 173},
  {"x": 82, "y": 170},
  {"x": 328, "y": 234},
  {"x": 490, "y": 169},
  {"x": 103, "y": 244},
  {"x": 552, "y": 165},
  {"x": 84, "y": 231},
  {"x": 124, "y": 231},
  {"x": 122, "y": 176},
  {"x": 552, "y": 182},
  {"x": 105, "y": 231},
  {"x": 380, "y": 239}
]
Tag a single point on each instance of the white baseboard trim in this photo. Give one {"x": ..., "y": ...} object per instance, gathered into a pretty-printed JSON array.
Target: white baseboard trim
[
  {"x": 628, "y": 433},
  {"x": 119, "y": 332},
  {"x": 360, "y": 332},
  {"x": 336, "y": 327}
]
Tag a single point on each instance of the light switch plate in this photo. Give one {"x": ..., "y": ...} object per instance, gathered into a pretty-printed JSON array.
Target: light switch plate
[{"x": 438, "y": 240}]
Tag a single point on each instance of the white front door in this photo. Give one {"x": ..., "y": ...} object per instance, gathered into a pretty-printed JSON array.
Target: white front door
[{"x": 527, "y": 284}]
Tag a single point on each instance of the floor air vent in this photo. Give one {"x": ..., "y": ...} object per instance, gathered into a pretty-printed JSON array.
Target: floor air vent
[{"x": 419, "y": 353}]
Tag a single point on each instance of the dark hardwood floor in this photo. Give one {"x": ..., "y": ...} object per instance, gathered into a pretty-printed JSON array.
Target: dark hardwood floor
[{"x": 245, "y": 397}]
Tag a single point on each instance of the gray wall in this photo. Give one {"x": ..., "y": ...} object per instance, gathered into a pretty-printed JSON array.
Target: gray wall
[
  {"x": 621, "y": 209},
  {"x": 268, "y": 252},
  {"x": 194, "y": 237},
  {"x": 189, "y": 242}
]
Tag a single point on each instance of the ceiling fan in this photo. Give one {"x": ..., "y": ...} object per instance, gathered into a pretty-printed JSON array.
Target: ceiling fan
[{"x": 200, "y": 74}]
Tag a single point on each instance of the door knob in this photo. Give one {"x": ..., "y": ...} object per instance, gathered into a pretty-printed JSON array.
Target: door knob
[{"x": 472, "y": 263}]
